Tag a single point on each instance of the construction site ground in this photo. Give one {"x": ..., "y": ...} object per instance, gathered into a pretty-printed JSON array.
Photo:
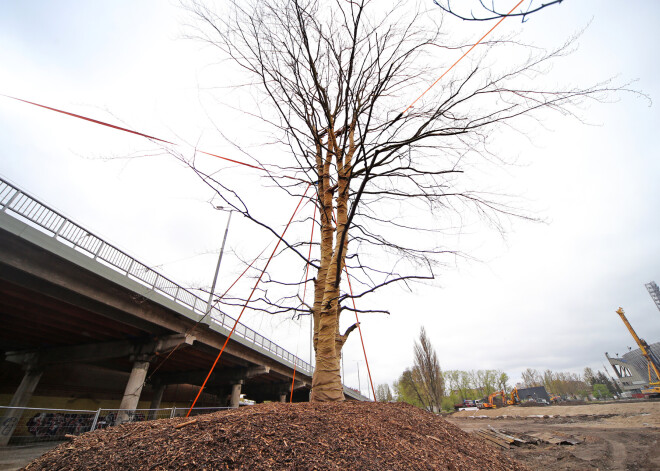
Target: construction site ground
[
  {"x": 607, "y": 436},
  {"x": 14, "y": 457}
]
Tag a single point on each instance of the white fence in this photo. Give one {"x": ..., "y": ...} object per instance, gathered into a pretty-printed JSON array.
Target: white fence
[{"x": 42, "y": 425}]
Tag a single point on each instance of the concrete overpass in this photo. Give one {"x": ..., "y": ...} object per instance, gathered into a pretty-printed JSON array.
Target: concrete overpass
[{"x": 80, "y": 315}]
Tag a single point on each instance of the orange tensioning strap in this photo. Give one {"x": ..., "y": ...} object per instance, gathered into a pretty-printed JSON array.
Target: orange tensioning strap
[
  {"x": 293, "y": 380},
  {"x": 103, "y": 123},
  {"x": 447, "y": 71},
  {"x": 230, "y": 160},
  {"x": 348, "y": 278},
  {"x": 248, "y": 300},
  {"x": 360, "y": 330},
  {"x": 192, "y": 329},
  {"x": 90, "y": 119}
]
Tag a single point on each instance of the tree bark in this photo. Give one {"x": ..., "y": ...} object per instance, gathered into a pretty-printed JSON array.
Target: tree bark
[{"x": 326, "y": 383}]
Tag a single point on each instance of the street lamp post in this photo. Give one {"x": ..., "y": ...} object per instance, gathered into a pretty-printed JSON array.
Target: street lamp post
[{"x": 217, "y": 268}]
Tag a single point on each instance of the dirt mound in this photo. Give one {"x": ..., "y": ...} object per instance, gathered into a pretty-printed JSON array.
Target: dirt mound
[{"x": 350, "y": 435}]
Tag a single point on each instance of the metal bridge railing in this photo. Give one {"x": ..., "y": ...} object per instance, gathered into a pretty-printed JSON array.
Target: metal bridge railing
[{"x": 18, "y": 203}]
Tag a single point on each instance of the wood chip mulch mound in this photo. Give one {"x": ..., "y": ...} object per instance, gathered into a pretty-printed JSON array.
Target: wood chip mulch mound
[{"x": 346, "y": 436}]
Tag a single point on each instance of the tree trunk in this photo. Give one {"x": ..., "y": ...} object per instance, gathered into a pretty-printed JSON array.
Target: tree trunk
[{"x": 326, "y": 383}]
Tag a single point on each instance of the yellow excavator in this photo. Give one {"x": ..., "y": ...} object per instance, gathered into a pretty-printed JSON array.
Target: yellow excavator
[
  {"x": 515, "y": 398},
  {"x": 653, "y": 362},
  {"x": 489, "y": 404}
]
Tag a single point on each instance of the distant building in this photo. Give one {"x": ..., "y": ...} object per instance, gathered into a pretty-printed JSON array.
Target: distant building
[
  {"x": 632, "y": 369},
  {"x": 535, "y": 393}
]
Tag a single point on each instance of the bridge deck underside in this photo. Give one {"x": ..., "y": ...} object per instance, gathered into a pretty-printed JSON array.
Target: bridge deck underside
[{"x": 42, "y": 309}]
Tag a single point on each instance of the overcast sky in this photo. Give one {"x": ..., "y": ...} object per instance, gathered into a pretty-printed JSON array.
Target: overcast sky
[{"x": 545, "y": 297}]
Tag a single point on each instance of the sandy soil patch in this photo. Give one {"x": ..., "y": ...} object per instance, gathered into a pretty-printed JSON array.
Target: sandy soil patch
[
  {"x": 624, "y": 415},
  {"x": 617, "y": 436}
]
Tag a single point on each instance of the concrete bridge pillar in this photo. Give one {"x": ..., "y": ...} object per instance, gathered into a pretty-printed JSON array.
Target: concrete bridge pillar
[
  {"x": 142, "y": 356},
  {"x": 235, "y": 394},
  {"x": 133, "y": 388},
  {"x": 21, "y": 398},
  {"x": 159, "y": 390},
  {"x": 284, "y": 391}
]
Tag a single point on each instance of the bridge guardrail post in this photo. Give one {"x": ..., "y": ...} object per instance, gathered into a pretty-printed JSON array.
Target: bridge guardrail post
[
  {"x": 98, "y": 251},
  {"x": 61, "y": 226},
  {"x": 128, "y": 270},
  {"x": 95, "y": 421},
  {"x": 11, "y": 200}
]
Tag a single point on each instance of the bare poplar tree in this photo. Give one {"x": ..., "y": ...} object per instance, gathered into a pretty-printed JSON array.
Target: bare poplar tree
[
  {"x": 384, "y": 393},
  {"x": 428, "y": 380},
  {"x": 334, "y": 80}
]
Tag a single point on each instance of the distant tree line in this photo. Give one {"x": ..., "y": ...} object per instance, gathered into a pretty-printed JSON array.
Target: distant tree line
[
  {"x": 426, "y": 386},
  {"x": 602, "y": 386},
  {"x": 564, "y": 384},
  {"x": 567, "y": 384}
]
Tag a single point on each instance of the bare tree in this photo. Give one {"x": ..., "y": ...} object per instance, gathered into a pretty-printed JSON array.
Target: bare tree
[
  {"x": 384, "y": 393},
  {"x": 503, "y": 381},
  {"x": 429, "y": 383},
  {"x": 423, "y": 385},
  {"x": 333, "y": 79},
  {"x": 589, "y": 376},
  {"x": 531, "y": 378},
  {"x": 452, "y": 381},
  {"x": 485, "y": 381}
]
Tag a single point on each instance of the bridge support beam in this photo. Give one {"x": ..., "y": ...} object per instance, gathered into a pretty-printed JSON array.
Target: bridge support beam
[
  {"x": 133, "y": 389},
  {"x": 235, "y": 394},
  {"x": 20, "y": 399}
]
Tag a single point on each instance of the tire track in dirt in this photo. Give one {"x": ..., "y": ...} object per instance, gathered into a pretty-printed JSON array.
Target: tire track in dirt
[{"x": 617, "y": 453}]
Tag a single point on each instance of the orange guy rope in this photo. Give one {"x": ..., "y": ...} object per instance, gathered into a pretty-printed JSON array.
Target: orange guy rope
[
  {"x": 447, "y": 71},
  {"x": 293, "y": 381},
  {"x": 192, "y": 329},
  {"x": 91, "y": 120},
  {"x": 361, "y": 338},
  {"x": 309, "y": 255},
  {"x": 248, "y": 300},
  {"x": 235, "y": 161},
  {"x": 103, "y": 123},
  {"x": 348, "y": 278}
]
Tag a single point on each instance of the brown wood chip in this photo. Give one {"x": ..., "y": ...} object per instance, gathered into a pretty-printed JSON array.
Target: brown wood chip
[
  {"x": 306, "y": 436},
  {"x": 190, "y": 422}
]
